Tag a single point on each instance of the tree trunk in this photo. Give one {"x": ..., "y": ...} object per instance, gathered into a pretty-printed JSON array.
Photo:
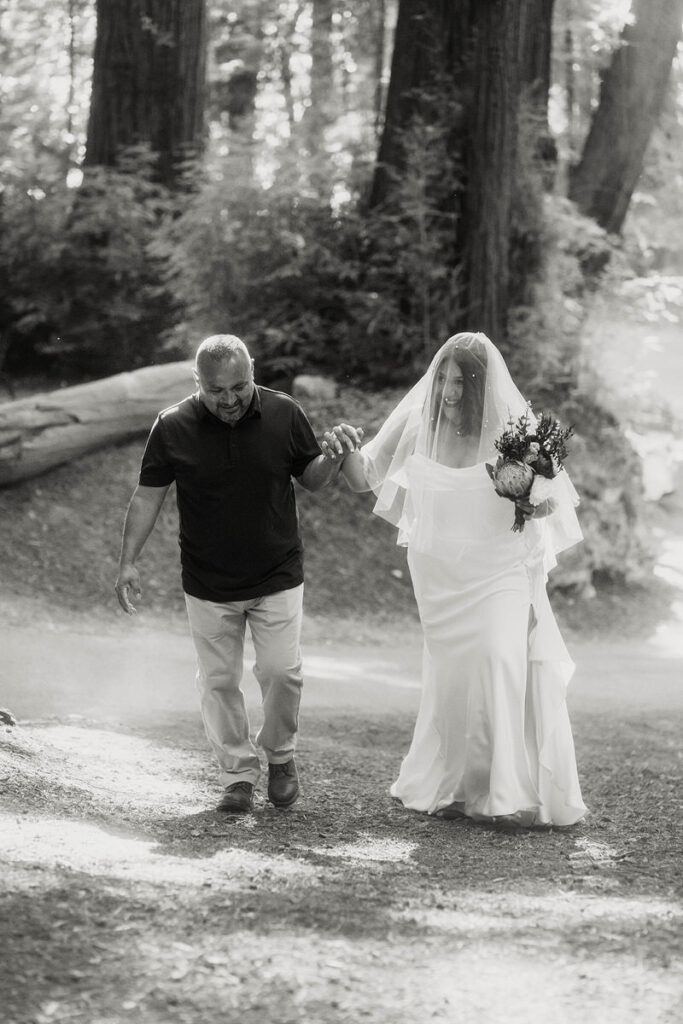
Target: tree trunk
[
  {"x": 418, "y": 57},
  {"x": 490, "y": 160},
  {"x": 536, "y": 49},
  {"x": 486, "y": 50},
  {"x": 44, "y": 431},
  {"x": 380, "y": 30},
  {"x": 148, "y": 81},
  {"x": 632, "y": 95},
  {"x": 535, "y": 60}
]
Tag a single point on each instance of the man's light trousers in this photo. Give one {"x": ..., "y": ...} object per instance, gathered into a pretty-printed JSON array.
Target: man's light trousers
[{"x": 218, "y": 632}]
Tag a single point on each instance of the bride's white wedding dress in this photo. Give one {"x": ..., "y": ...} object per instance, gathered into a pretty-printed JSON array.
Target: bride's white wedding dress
[
  {"x": 492, "y": 738},
  {"x": 492, "y": 735}
]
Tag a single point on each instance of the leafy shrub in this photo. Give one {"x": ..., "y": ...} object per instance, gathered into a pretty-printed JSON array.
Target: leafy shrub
[
  {"x": 543, "y": 350},
  {"x": 84, "y": 289},
  {"x": 312, "y": 283},
  {"x": 608, "y": 476}
]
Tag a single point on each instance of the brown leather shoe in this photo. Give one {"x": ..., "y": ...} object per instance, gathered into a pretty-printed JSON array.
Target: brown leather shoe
[
  {"x": 237, "y": 798},
  {"x": 283, "y": 783}
]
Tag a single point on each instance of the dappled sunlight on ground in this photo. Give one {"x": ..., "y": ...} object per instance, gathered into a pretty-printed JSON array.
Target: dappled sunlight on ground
[
  {"x": 122, "y": 766},
  {"x": 532, "y": 989},
  {"x": 598, "y": 853},
  {"x": 95, "y": 850},
  {"x": 271, "y": 975},
  {"x": 370, "y": 848},
  {"x": 559, "y": 911},
  {"x": 345, "y": 908}
]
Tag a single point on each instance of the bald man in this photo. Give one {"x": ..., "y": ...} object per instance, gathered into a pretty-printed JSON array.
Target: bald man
[{"x": 232, "y": 449}]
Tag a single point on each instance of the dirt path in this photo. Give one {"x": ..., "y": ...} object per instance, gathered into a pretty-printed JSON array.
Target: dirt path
[
  {"x": 128, "y": 897},
  {"x": 131, "y": 675}
]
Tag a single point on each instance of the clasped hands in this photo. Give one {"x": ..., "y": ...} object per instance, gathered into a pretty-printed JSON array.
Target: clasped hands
[{"x": 340, "y": 441}]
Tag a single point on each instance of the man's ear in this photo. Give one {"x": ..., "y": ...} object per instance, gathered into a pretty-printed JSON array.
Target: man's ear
[{"x": 195, "y": 375}]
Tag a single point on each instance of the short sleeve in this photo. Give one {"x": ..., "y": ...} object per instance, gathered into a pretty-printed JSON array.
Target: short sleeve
[
  {"x": 156, "y": 469},
  {"x": 305, "y": 448}
]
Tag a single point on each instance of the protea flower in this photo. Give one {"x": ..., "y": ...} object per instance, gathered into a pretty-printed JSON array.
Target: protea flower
[{"x": 512, "y": 479}]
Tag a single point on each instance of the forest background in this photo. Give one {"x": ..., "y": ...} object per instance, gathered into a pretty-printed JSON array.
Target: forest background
[{"x": 344, "y": 185}]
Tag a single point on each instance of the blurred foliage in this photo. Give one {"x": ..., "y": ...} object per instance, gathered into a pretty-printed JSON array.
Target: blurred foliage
[
  {"x": 653, "y": 228},
  {"x": 311, "y": 284},
  {"x": 45, "y": 69},
  {"x": 84, "y": 290},
  {"x": 274, "y": 243}
]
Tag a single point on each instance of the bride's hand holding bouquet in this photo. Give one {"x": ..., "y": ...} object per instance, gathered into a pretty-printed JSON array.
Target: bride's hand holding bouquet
[{"x": 531, "y": 456}]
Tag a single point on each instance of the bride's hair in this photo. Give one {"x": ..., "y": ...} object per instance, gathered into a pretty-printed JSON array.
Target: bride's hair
[{"x": 470, "y": 355}]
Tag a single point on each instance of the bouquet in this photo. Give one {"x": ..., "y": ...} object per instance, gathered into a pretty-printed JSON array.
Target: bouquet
[{"x": 530, "y": 457}]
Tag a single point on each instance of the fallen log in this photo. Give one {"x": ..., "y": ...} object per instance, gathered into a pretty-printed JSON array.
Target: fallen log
[{"x": 46, "y": 430}]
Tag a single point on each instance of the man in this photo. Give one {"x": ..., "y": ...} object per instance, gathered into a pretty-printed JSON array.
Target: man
[{"x": 232, "y": 449}]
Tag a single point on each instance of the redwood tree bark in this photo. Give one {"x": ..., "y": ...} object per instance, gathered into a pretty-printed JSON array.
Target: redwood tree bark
[
  {"x": 148, "y": 80},
  {"x": 490, "y": 160},
  {"x": 487, "y": 51},
  {"x": 536, "y": 39},
  {"x": 536, "y": 50},
  {"x": 632, "y": 95},
  {"x": 419, "y": 55}
]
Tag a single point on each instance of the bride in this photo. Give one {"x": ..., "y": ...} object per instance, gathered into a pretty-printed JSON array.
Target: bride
[{"x": 492, "y": 740}]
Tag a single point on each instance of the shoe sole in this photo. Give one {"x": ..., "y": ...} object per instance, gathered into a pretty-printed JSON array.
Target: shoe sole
[{"x": 280, "y": 804}]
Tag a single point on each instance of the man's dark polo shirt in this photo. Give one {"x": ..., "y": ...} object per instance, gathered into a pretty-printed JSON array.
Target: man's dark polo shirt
[{"x": 239, "y": 530}]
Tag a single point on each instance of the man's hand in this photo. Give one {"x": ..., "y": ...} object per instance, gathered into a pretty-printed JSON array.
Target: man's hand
[
  {"x": 340, "y": 440},
  {"x": 128, "y": 582}
]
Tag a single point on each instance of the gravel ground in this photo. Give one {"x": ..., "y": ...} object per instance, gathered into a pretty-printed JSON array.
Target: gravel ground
[{"x": 127, "y": 897}]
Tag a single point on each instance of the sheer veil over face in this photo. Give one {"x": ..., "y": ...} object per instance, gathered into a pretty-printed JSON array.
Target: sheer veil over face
[{"x": 452, "y": 416}]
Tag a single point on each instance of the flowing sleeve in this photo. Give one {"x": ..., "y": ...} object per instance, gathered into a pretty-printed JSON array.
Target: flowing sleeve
[
  {"x": 386, "y": 455},
  {"x": 562, "y": 528}
]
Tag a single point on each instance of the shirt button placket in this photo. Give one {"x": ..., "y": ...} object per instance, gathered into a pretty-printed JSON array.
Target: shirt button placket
[
  {"x": 234, "y": 447},
  {"x": 228, "y": 448}
]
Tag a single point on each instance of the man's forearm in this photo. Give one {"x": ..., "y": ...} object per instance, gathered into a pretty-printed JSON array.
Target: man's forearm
[
  {"x": 141, "y": 516},
  {"x": 319, "y": 473}
]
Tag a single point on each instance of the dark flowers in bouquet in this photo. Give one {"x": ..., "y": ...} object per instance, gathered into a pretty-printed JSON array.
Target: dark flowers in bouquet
[{"x": 531, "y": 455}]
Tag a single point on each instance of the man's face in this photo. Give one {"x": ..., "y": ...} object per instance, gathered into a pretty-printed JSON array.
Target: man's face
[{"x": 226, "y": 387}]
